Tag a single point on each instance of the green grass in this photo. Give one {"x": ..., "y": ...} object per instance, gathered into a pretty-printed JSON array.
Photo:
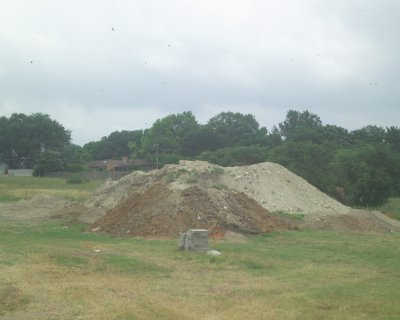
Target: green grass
[
  {"x": 217, "y": 170},
  {"x": 287, "y": 275},
  {"x": 171, "y": 176},
  {"x": 17, "y": 188}
]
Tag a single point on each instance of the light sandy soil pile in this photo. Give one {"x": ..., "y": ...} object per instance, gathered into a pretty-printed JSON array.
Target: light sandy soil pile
[{"x": 278, "y": 189}]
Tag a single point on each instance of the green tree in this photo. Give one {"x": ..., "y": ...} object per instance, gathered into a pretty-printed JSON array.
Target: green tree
[
  {"x": 168, "y": 134},
  {"x": 307, "y": 159},
  {"x": 74, "y": 157},
  {"x": 393, "y": 137},
  {"x": 25, "y": 135},
  {"x": 48, "y": 161},
  {"x": 236, "y": 156},
  {"x": 114, "y": 146},
  {"x": 369, "y": 134},
  {"x": 369, "y": 174},
  {"x": 202, "y": 139},
  {"x": 296, "y": 121},
  {"x": 238, "y": 129}
]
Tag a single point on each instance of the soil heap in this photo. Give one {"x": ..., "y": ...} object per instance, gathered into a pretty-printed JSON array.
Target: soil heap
[
  {"x": 197, "y": 194},
  {"x": 163, "y": 211}
]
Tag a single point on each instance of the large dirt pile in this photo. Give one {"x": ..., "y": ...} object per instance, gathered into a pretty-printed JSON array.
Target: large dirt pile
[
  {"x": 162, "y": 211},
  {"x": 197, "y": 194},
  {"x": 271, "y": 185}
]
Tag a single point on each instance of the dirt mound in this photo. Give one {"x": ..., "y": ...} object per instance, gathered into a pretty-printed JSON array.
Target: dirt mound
[
  {"x": 355, "y": 221},
  {"x": 163, "y": 211},
  {"x": 271, "y": 185},
  {"x": 197, "y": 194}
]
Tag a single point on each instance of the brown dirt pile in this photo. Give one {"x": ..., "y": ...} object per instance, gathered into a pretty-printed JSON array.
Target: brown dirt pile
[{"x": 162, "y": 211}]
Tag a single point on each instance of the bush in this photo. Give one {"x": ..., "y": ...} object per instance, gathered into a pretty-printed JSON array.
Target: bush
[{"x": 74, "y": 179}]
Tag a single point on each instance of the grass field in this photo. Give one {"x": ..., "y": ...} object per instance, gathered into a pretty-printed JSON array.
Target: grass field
[
  {"x": 52, "y": 270},
  {"x": 17, "y": 188}
]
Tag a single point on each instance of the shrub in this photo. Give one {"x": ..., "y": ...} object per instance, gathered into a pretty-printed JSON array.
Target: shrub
[{"x": 74, "y": 179}]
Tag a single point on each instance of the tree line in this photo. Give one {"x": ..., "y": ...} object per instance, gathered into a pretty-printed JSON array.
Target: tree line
[{"x": 359, "y": 168}]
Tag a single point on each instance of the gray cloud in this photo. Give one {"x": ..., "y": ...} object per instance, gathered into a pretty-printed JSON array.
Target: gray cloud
[{"x": 100, "y": 66}]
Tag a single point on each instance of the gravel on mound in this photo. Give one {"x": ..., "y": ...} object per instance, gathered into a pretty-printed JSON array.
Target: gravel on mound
[{"x": 162, "y": 211}]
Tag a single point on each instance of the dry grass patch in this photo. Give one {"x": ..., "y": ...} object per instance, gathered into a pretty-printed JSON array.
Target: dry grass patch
[
  {"x": 17, "y": 188},
  {"x": 68, "y": 274}
]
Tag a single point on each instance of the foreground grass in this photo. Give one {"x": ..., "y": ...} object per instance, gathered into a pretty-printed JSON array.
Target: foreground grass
[
  {"x": 54, "y": 271},
  {"x": 17, "y": 188}
]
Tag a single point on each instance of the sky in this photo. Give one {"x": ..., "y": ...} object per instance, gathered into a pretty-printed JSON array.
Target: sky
[{"x": 97, "y": 66}]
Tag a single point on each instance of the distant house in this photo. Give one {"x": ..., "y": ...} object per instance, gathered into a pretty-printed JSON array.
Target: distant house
[
  {"x": 3, "y": 168},
  {"x": 121, "y": 165}
]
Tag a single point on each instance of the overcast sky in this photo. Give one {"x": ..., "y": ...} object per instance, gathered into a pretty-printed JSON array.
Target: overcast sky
[{"x": 97, "y": 66}]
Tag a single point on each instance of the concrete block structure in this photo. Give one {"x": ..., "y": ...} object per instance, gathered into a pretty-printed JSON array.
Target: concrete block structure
[{"x": 195, "y": 240}]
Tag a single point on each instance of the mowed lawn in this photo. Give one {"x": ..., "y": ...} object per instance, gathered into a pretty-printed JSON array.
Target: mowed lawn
[{"x": 55, "y": 270}]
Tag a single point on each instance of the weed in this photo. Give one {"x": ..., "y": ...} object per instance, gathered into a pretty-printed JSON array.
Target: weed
[
  {"x": 171, "y": 176},
  {"x": 74, "y": 179},
  {"x": 217, "y": 170},
  {"x": 193, "y": 177},
  {"x": 219, "y": 186},
  {"x": 294, "y": 216}
]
